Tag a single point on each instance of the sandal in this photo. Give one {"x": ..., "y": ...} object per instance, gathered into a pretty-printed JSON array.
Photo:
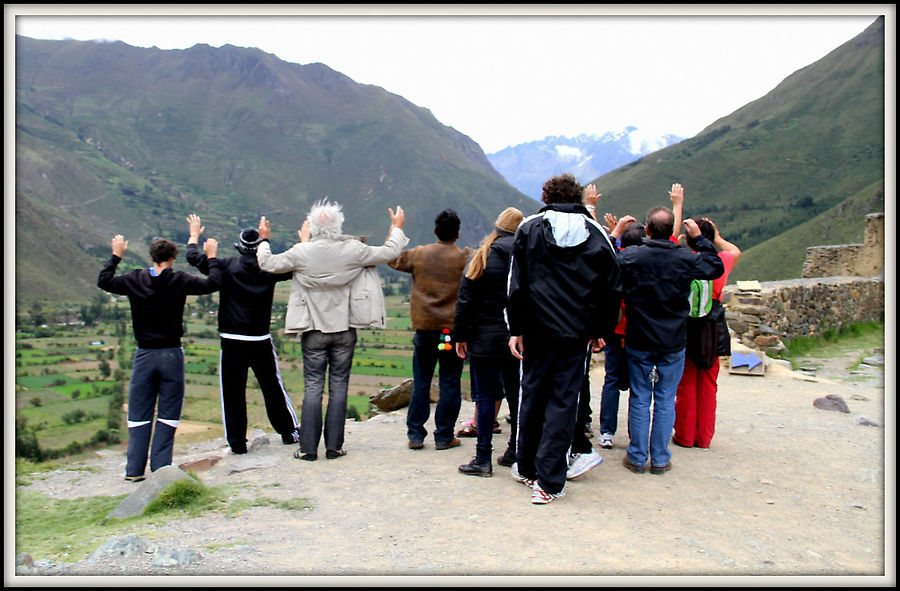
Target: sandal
[{"x": 468, "y": 430}]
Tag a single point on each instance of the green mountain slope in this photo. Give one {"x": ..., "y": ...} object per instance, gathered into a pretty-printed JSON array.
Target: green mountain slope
[
  {"x": 812, "y": 143},
  {"x": 117, "y": 139}
]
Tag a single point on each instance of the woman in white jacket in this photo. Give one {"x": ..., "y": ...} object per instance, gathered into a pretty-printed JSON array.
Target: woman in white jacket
[{"x": 334, "y": 291}]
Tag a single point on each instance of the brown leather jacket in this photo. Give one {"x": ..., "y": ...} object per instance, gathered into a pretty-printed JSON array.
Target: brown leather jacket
[{"x": 436, "y": 271}]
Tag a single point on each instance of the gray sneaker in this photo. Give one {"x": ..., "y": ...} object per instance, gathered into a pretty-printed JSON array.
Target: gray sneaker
[
  {"x": 581, "y": 463},
  {"x": 514, "y": 470},
  {"x": 606, "y": 440}
]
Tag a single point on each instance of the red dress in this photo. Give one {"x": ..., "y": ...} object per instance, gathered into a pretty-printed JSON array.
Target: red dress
[{"x": 695, "y": 401}]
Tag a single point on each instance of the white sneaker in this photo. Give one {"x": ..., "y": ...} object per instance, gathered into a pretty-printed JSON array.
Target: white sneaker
[
  {"x": 514, "y": 470},
  {"x": 581, "y": 463},
  {"x": 541, "y": 497},
  {"x": 606, "y": 440}
]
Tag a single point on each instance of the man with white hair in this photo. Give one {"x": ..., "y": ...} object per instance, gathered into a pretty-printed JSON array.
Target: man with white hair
[{"x": 334, "y": 291}]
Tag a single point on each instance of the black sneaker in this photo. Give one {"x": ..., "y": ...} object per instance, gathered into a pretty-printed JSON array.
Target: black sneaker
[
  {"x": 508, "y": 458},
  {"x": 332, "y": 454},
  {"x": 477, "y": 468},
  {"x": 135, "y": 478},
  {"x": 290, "y": 438},
  {"x": 302, "y": 456}
]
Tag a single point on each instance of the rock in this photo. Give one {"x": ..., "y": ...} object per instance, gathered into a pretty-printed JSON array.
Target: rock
[
  {"x": 763, "y": 341},
  {"x": 874, "y": 360},
  {"x": 831, "y": 402},
  {"x": 388, "y": 399},
  {"x": 257, "y": 443},
  {"x": 127, "y": 545},
  {"x": 147, "y": 491},
  {"x": 199, "y": 465},
  {"x": 24, "y": 559},
  {"x": 867, "y": 422},
  {"x": 176, "y": 557}
]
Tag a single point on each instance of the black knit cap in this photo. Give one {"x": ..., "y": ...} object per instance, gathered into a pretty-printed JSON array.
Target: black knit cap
[{"x": 249, "y": 240}]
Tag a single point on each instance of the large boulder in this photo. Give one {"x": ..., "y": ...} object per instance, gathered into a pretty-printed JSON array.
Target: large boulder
[
  {"x": 147, "y": 491},
  {"x": 389, "y": 399}
]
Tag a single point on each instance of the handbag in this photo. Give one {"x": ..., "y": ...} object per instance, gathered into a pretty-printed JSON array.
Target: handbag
[
  {"x": 723, "y": 338},
  {"x": 702, "y": 341}
]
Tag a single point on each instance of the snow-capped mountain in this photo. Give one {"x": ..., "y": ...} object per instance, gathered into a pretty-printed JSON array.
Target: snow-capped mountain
[{"x": 527, "y": 166}]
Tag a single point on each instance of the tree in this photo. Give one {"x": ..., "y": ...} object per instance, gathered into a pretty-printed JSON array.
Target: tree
[{"x": 104, "y": 368}]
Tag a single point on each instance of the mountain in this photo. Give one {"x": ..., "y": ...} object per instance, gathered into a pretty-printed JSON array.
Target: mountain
[
  {"x": 587, "y": 156},
  {"x": 117, "y": 139},
  {"x": 811, "y": 145}
]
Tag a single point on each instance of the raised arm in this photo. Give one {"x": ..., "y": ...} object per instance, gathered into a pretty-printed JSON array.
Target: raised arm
[
  {"x": 107, "y": 280},
  {"x": 194, "y": 255},
  {"x": 676, "y": 194},
  {"x": 723, "y": 244},
  {"x": 590, "y": 199}
]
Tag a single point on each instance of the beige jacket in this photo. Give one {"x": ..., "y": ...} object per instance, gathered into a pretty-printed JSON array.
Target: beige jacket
[{"x": 329, "y": 291}]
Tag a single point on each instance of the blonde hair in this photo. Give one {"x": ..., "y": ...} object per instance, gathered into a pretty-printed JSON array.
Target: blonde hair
[{"x": 507, "y": 222}]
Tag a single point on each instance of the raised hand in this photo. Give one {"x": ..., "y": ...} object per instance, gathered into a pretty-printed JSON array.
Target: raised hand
[
  {"x": 591, "y": 195},
  {"x": 210, "y": 246},
  {"x": 194, "y": 228},
  {"x": 119, "y": 245},
  {"x": 397, "y": 219},
  {"x": 265, "y": 228}
]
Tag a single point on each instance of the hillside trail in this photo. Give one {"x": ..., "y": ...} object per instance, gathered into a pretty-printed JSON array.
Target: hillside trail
[{"x": 785, "y": 489}]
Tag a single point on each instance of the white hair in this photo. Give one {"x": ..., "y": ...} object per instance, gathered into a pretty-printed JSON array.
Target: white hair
[{"x": 325, "y": 219}]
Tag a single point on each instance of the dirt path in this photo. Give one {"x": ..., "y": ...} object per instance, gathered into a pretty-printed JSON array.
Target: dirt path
[{"x": 785, "y": 489}]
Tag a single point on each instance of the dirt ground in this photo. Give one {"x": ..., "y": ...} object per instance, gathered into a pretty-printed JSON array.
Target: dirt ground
[{"x": 786, "y": 489}]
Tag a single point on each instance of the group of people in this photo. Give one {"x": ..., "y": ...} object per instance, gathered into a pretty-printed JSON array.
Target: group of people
[{"x": 526, "y": 309}]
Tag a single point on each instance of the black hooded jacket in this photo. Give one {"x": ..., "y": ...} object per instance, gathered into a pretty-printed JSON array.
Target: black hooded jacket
[
  {"x": 245, "y": 297},
  {"x": 563, "y": 276}
]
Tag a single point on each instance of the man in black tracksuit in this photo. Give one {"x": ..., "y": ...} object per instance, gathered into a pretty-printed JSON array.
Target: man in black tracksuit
[
  {"x": 562, "y": 299},
  {"x": 156, "y": 296},
  {"x": 245, "y": 312}
]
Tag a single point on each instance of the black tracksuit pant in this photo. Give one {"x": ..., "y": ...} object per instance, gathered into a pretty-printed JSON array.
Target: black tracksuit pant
[
  {"x": 552, "y": 377},
  {"x": 236, "y": 359}
]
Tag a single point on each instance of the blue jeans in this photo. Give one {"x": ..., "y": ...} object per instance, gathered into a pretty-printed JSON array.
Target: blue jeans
[
  {"x": 157, "y": 384},
  {"x": 669, "y": 367},
  {"x": 331, "y": 352},
  {"x": 615, "y": 364},
  {"x": 426, "y": 357}
]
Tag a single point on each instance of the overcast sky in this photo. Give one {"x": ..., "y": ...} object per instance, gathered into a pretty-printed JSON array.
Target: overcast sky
[{"x": 505, "y": 80}]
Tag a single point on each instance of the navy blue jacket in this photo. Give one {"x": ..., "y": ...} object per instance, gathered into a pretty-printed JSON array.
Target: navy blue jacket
[{"x": 656, "y": 282}]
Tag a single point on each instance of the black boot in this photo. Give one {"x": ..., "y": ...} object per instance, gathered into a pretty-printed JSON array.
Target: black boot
[
  {"x": 508, "y": 458},
  {"x": 477, "y": 468}
]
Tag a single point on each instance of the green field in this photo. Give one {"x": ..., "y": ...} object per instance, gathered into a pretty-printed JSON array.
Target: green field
[{"x": 66, "y": 399}]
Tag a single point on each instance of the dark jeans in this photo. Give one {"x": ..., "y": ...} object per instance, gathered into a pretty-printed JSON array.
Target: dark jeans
[
  {"x": 331, "y": 352},
  {"x": 493, "y": 378},
  {"x": 616, "y": 366},
  {"x": 157, "y": 384},
  {"x": 237, "y": 358},
  {"x": 427, "y": 356},
  {"x": 580, "y": 442}
]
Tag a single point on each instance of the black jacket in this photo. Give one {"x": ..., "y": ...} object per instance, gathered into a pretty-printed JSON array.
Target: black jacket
[
  {"x": 656, "y": 282},
  {"x": 245, "y": 297},
  {"x": 480, "y": 305},
  {"x": 157, "y": 303},
  {"x": 563, "y": 276}
]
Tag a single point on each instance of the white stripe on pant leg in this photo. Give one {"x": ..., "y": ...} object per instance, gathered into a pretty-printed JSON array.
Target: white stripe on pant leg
[
  {"x": 287, "y": 399},
  {"x": 132, "y": 424},
  {"x": 222, "y": 396},
  {"x": 170, "y": 422}
]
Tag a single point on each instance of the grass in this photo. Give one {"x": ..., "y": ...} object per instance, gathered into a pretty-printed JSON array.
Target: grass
[
  {"x": 834, "y": 343},
  {"x": 70, "y": 529}
]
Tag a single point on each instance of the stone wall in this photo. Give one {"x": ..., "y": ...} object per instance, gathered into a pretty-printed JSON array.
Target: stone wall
[
  {"x": 761, "y": 317},
  {"x": 860, "y": 260}
]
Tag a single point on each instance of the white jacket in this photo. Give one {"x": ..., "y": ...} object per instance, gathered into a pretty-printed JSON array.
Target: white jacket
[{"x": 330, "y": 291}]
